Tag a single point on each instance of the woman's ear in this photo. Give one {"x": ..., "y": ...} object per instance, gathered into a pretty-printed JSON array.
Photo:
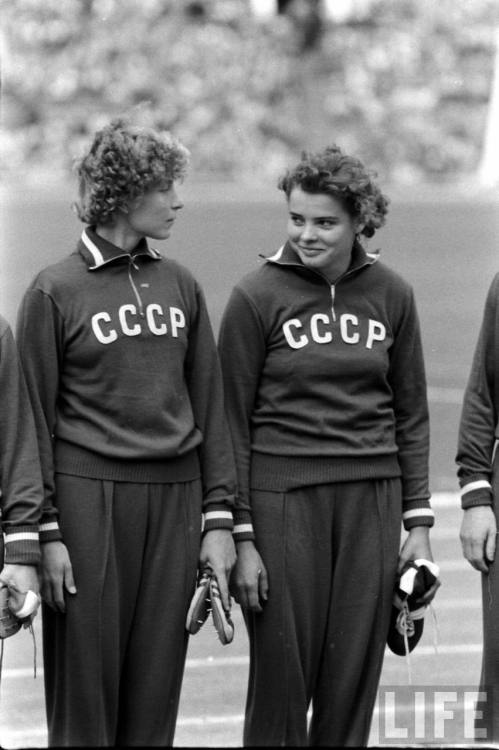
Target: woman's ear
[{"x": 131, "y": 204}]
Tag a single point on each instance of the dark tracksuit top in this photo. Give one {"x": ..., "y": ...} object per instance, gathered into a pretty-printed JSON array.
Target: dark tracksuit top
[
  {"x": 123, "y": 373},
  {"x": 479, "y": 427},
  {"x": 478, "y": 471},
  {"x": 325, "y": 383},
  {"x": 20, "y": 475}
]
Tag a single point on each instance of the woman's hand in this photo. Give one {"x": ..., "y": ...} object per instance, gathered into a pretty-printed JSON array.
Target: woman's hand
[
  {"x": 249, "y": 582},
  {"x": 417, "y": 546},
  {"x": 478, "y": 536},
  {"x": 21, "y": 577},
  {"x": 57, "y": 575},
  {"x": 219, "y": 553}
]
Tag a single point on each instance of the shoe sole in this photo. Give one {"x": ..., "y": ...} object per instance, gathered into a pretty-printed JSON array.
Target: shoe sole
[
  {"x": 199, "y": 608},
  {"x": 221, "y": 619}
]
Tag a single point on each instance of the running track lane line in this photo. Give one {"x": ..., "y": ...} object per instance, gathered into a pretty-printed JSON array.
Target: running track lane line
[{"x": 241, "y": 661}]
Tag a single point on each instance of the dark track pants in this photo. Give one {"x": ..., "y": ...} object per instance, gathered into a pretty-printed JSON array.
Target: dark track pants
[
  {"x": 114, "y": 662},
  {"x": 331, "y": 553},
  {"x": 487, "y": 725}
]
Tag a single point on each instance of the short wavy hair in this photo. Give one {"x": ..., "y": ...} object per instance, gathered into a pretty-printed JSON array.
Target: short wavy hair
[
  {"x": 123, "y": 162},
  {"x": 344, "y": 178}
]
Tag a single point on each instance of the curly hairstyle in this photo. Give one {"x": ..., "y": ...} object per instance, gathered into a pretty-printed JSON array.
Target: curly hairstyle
[
  {"x": 123, "y": 162},
  {"x": 344, "y": 178}
]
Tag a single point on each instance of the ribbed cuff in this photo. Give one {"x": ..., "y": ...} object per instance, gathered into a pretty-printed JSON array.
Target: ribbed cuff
[
  {"x": 476, "y": 492},
  {"x": 243, "y": 527},
  {"x": 217, "y": 516},
  {"x": 50, "y": 531},
  {"x": 417, "y": 512},
  {"x": 22, "y": 545}
]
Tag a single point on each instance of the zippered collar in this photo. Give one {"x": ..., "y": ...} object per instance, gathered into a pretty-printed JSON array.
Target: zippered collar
[
  {"x": 98, "y": 252},
  {"x": 286, "y": 256}
]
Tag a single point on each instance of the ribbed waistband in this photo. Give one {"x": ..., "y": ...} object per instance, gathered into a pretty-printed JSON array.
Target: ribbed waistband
[
  {"x": 280, "y": 473},
  {"x": 73, "y": 459}
]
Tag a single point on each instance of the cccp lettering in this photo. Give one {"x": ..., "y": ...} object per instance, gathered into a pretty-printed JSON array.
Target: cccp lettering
[
  {"x": 319, "y": 330},
  {"x": 130, "y": 323}
]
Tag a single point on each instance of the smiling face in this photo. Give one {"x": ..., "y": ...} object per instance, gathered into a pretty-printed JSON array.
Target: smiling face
[
  {"x": 321, "y": 232},
  {"x": 152, "y": 214}
]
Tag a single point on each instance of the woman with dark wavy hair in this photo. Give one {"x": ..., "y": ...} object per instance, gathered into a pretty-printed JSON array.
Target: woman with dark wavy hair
[
  {"x": 326, "y": 401},
  {"x": 123, "y": 373}
]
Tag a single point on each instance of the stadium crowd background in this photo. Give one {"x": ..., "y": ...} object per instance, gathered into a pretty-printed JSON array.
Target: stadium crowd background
[{"x": 405, "y": 84}]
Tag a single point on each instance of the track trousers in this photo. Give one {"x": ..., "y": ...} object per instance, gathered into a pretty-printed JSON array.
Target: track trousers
[
  {"x": 331, "y": 554},
  {"x": 114, "y": 661},
  {"x": 487, "y": 722}
]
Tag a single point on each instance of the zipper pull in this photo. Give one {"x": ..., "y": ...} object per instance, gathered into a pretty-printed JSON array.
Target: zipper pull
[
  {"x": 333, "y": 294},
  {"x": 134, "y": 288}
]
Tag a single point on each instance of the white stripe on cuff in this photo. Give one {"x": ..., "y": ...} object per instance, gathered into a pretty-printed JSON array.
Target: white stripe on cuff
[
  {"x": 242, "y": 528},
  {"x": 211, "y": 514},
  {"x": 51, "y": 526},
  {"x": 22, "y": 536},
  {"x": 418, "y": 512},
  {"x": 480, "y": 484}
]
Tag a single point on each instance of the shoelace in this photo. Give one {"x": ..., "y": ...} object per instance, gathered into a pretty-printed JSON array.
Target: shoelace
[
  {"x": 32, "y": 631},
  {"x": 405, "y": 626}
]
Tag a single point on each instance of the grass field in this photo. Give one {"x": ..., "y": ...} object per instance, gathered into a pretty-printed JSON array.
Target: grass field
[{"x": 446, "y": 248}]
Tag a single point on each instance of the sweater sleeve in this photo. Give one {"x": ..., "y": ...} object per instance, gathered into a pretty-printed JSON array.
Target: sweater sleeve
[
  {"x": 478, "y": 424},
  {"x": 21, "y": 481},
  {"x": 242, "y": 352},
  {"x": 204, "y": 382},
  {"x": 39, "y": 338},
  {"x": 408, "y": 382}
]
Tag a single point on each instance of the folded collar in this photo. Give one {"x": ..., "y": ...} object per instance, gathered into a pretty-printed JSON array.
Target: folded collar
[
  {"x": 98, "y": 252},
  {"x": 287, "y": 256}
]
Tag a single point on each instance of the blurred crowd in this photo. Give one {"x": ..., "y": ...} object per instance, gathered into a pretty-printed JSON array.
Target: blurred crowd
[{"x": 405, "y": 84}]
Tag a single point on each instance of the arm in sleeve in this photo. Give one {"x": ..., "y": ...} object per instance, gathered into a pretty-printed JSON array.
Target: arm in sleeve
[
  {"x": 408, "y": 381},
  {"x": 242, "y": 349},
  {"x": 204, "y": 382},
  {"x": 39, "y": 338},
  {"x": 479, "y": 413},
  {"x": 21, "y": 480}
]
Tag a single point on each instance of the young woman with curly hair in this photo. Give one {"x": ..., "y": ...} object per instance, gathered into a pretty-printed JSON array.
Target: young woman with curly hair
[
  {"x": 326, "y": 400},
  {"x": 123, "y": 372}
]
